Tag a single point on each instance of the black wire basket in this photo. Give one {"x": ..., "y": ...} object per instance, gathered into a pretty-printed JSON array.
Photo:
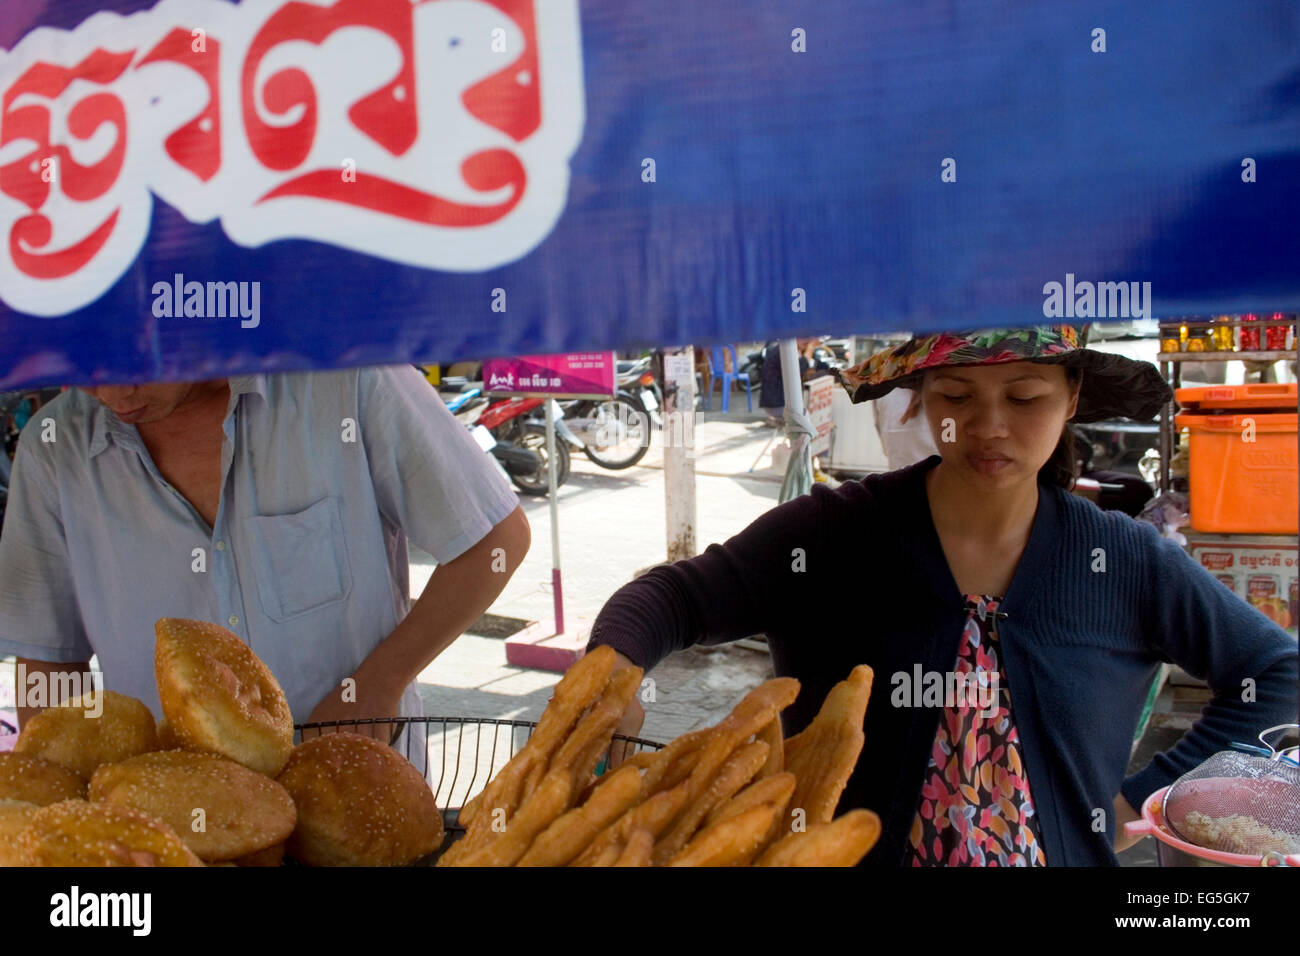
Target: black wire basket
[{"x": 461, "y": 754}]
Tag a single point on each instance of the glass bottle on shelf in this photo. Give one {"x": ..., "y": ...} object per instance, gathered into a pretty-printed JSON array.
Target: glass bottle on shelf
[
  {"x": 1250, "y": 333},
  {"x": 1275, "y": 333},
  {"x": 1221, "y": 338},
  {"x": 1171, "y": 335},
  {"x": 1198, "y": 337}
]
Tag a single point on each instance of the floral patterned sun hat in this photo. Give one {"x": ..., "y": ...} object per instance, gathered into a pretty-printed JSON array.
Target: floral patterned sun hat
[{"x": 1113, "y": 386}]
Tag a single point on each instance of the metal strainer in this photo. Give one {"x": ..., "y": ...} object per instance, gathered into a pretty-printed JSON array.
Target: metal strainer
[{"x": 1245, "y": 800}]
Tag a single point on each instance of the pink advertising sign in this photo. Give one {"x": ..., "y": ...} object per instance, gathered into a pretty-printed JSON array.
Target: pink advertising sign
[{"x": 575, "y": 375}]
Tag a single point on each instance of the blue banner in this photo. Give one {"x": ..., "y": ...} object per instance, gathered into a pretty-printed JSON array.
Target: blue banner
[{"x": 197, "y": 188}]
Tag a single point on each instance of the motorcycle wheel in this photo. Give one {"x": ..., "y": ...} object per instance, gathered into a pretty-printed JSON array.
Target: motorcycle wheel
[
  {"x": 631, "y": 448},
  {"x": 534, "y": 438}
]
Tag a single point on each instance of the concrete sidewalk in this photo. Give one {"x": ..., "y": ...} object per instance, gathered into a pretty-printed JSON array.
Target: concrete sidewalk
[{"x": 612, "y": 524}]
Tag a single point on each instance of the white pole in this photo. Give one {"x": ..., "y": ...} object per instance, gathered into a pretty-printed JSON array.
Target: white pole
[
  {"x": 556, "y": 585},
  {"x": 798, "y": 474},
  {"x": 790, "y": 377},
  {"x": 679, "y": 451}
]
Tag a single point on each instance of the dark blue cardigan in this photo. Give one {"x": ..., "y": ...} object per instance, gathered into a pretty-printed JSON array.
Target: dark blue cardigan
[{"x": 1097, "y": 601}]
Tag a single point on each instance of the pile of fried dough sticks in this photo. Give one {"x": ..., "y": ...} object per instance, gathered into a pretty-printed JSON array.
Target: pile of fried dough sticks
[{"x": 736, "y": 794}]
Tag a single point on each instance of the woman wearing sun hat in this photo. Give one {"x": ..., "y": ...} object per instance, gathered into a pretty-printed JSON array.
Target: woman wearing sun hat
[{"x": 979, "y": 559}]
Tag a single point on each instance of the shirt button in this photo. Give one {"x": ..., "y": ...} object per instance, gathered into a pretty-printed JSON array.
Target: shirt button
[
  {"x": 233, "y": 620},
  {"x": 221, "y": 546}
]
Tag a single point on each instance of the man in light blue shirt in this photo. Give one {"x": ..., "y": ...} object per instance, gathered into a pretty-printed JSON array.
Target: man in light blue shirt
[{"x": 277, "y": 506}]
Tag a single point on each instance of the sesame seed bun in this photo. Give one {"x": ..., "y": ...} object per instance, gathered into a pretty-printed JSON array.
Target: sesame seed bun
[
  {"x": 77, "y": 833},
  {"x": 360, "y": 803},
  {"x": 35, "y": 780},
  {"x": 73, "y": 736},
  {"x": 219, "y": 809},
  {"x": 15, "y": 817},
  {"x": 218, "y": 697}
]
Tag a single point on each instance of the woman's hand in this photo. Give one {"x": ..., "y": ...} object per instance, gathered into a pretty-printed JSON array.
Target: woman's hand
[
  {"x": 351, "y": 702},
  {"x": 629, "y": 725},
  {"x": 1124, "y": 813}
]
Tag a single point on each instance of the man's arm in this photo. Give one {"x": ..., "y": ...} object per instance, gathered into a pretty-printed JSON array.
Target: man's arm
[
  {"x": 52, "y": 676},
  {"x": 457, "y": 594},
  {"x": 432, "y": 481}
]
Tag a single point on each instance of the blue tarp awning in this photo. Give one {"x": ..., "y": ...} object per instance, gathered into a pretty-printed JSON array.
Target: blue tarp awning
[{"x": 195, "y": 188}]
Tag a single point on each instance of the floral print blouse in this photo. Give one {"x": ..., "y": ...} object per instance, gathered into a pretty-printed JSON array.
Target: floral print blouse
[{"x": 975, "y": 807}]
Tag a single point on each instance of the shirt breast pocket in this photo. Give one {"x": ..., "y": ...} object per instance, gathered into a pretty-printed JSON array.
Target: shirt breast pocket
[{"x": 300, "y": 559}]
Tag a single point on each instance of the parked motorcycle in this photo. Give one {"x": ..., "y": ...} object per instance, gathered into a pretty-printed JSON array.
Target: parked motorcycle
[
  {"x": 615, "y": 432},
  {"x": 517, "y": 441},
  {"x": 825, "y": 357},
  {"x": 637, "y": 378},
  {"x": 1118, "y": 444},
  {"x": 1101, "y": 451}
]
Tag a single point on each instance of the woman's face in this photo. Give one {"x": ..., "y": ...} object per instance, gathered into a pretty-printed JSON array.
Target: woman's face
[{"x": 997, "y": 425}]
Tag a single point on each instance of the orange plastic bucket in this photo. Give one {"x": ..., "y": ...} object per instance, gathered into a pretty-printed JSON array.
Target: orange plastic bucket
[{"x": 1243, "y": 464}]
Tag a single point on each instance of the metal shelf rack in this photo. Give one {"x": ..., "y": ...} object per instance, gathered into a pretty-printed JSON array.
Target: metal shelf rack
[{"x": 1171, "y": 368}]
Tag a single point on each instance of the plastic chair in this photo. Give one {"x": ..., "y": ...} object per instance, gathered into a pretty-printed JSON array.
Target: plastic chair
[{"x": 718, "y": 372}]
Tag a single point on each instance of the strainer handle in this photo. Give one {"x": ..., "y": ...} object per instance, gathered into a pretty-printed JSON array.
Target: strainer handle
[
  {"x": 1252, "y": 749},
  {"x": 1264, "y": 734}
]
